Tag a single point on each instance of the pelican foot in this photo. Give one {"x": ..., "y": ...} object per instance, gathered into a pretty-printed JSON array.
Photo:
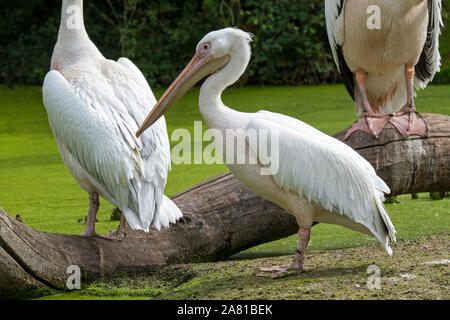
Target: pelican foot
[
  {"x": 96, "y": 235},
  {"x": 370, "y": 123},
  {"x": 116, "y": 235},
  {"x": 119, "y": 233},
  {"x": 278, "y": 272},
  {"x": 409, "y": 122}
]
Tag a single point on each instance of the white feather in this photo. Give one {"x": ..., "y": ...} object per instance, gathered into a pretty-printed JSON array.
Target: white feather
[
  {"x": 335, "y": 25},
  {"x": 319, "y": 177},
  {"x": 431, "y": 49},
  {"x": 100, "y": 139},
  {"x": 94, "y": 108},
  {"x": 328, "y": 173}
]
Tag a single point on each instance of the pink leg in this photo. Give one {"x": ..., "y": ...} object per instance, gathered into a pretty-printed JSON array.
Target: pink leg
[
  {"x": 409, "y": 77},
  {"x": 122, "y": 225},
  {"x": 369, "y": 122},
  {"x": 361, "y": 76},
  {"x": 408, "y": 121},
  {"x": 119, "y": 233},
  {"x": 94, "y": 204},
  {"x": 296, "y": 267},
  {"x": 303, "y": 240}
]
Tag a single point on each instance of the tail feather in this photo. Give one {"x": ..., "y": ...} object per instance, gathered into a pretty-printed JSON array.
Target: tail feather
[
  {"x": 162, "y": 215},
  {"x": 174, "y": 213},
  {"x": 167, "y": 213},
  {"x": 134, "y": 221},
  {"x": 147, "y": 204},
  {"x": 388, "y": 234}
]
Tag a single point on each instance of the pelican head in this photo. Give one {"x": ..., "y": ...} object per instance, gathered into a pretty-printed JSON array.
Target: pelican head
[{"x": 214, "y": 52}]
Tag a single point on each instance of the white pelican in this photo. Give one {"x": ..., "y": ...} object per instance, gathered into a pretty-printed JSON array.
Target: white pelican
[
  {"x": 387, "y": 47},
  {"x": 319, "y": 178},
  {"x": 94, "y": 106}
]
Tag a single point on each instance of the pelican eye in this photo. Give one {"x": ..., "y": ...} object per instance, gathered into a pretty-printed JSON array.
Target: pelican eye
[{"x": 204, "y": 49}]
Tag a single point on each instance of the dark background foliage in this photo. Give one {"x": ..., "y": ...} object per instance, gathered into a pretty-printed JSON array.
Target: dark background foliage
[{"x": 290, "y": 42}]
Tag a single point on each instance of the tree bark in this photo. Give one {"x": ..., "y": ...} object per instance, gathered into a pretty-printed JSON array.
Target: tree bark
[
  {"x": 410, "y": 165},
  {"x": 221, "y": 217}
]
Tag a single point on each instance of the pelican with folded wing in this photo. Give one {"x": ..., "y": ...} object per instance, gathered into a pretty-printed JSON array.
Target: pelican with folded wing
[
  {"x": 94, "y": 106},
  {"x": 320, "y": 179}
]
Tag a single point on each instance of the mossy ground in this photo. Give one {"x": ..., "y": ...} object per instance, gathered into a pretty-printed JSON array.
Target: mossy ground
[{"x": 413, "y": 272}]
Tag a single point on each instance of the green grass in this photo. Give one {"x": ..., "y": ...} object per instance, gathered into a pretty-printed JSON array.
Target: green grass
[{"x": 36, "y": 184}]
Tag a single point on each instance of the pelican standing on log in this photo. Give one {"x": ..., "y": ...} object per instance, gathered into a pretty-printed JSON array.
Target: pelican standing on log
[
  {"x": 94, "y": 106},
  {"x": 382, "y": 61},
  {"x": 320, "y": 179}
]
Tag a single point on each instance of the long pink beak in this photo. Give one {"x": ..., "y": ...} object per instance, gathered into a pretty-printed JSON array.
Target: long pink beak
[{"x": 196, "y": 69}]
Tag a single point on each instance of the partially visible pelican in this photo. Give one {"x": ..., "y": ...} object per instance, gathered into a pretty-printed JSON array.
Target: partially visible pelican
[
  {"x": 94, "y": 106},
  {"x": 382, "y": 60},
  {"x": 319, "y": 178}
]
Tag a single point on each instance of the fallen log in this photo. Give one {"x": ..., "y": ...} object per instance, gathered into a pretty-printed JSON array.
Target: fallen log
[
  {"x": 221, "y": 217},
  {"x": 408, "y": 165}
]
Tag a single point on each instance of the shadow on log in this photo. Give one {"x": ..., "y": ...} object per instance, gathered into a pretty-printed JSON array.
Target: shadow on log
[{"x": 221, "y": 217}]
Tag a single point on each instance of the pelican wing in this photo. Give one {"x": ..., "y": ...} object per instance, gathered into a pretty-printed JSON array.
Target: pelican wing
[
  {"x": 91, "y": 138},
  {"x": 328, "y": 173},
  {"x": 137, "y": 97},
  {"x": 334, "y": 15},
  {"x": 96, "y": 120},
  {"x": 157, "y": 163},
  {"x": 430, "y": 59}
]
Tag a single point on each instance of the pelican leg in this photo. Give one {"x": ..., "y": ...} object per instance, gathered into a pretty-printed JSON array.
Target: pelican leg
[
  {"x": 409, "y": 77},
  {"x": 369, "y": 122},
  {"x": 119, "y": 233},
  {"x": 122, "y": 225},
  {"x": 94, "y": 204},
  {"x": 303, "y": 240},
  {"x": 296, "y": 267},
  {"x": 408, "y": 121}
]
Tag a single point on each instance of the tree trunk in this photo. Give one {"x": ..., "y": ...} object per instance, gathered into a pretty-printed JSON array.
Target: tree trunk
[
  {"x": 221, "y": 217},
  {"x": 409, "y": 165}
]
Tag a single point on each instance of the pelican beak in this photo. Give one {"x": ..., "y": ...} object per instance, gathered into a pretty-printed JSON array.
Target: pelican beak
[{"x": 198, "y": 68}]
